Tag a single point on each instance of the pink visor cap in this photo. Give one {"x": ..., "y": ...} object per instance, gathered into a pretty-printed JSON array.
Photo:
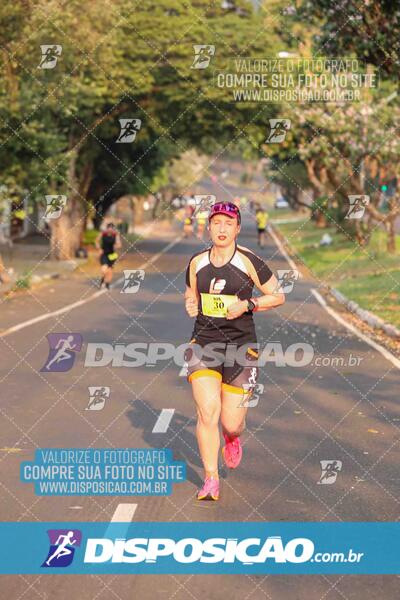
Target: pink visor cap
[{"x": 225, "y": 208}]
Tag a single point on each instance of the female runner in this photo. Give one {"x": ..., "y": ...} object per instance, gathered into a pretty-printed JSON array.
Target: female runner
[{"x": 219, "y": 285}]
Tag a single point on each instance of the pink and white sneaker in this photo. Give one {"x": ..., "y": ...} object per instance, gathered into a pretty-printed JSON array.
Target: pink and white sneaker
[
  {"x": 232, "y": 451},
  {"x": 210, "y": 489}
]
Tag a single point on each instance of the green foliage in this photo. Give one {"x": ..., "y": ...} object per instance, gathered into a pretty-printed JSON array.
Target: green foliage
[
  {"x": 23, "y": 282},
  {"x": 90, "y": 236},
  {"x": 370, "y": 30},
  {"x": 119, "y": 59}
]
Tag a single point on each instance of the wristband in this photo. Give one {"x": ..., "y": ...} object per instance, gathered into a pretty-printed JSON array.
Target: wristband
[{"x": 255, "y": 302}]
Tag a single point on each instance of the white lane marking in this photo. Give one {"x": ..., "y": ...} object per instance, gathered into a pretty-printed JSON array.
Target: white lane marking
[
  {"x": 283, "y": 251},
  {"x": 388, "y": 355},
  {"x": 124, "y": 513},
  {"x": 68, "y": 307},
  {"x": 163, "y": 420}
]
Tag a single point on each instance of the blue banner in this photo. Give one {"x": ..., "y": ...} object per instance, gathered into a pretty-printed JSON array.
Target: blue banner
[{"x": 205, "y": 548}]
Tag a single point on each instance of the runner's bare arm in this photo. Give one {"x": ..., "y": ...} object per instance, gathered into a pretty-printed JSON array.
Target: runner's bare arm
[
  {"x": 191, "y": 281},
  {"x": 191, "y": 293},
  {"x": 271, "y": 296},
  {"x": 118, "y": 243}
]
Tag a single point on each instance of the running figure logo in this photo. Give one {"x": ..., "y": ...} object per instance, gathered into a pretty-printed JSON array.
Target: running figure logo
[
  {"x": 54, "y": 206},
  {"x": 62, "y": 547},
  {"x": 202, "y": 55},
  {"x": 217, "y": 285},
  {"x": 132, "y": 280},
  {"x": 330, "y": 470},
  {"x": 50, "y": 55},
  {"x": 286, "y": 280},
  {"x": 129, "y": 129},
  {"x": 251, "y": 393},
  {"x": 357, "y": 206},
  {"x": 203, "y": 203},
  {"x": 97, "y": 397},
  {"x": 63, "y": 347},
  {"x": 279, "y": 128}
]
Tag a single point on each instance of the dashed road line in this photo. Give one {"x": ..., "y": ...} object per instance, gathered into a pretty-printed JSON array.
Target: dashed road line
[{"x": 163, "y": 420}]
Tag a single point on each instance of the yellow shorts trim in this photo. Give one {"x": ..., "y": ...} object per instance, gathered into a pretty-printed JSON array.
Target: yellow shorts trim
[
  {"x": 204, "y": 373},
  {"x": 252, "y": 352},
  {"x": 233, "y": 389}
]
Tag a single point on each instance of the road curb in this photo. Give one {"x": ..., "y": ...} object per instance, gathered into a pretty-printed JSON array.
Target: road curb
[
  {"x": 364, "y": 315},
  {"x": 36, "y": 279}
]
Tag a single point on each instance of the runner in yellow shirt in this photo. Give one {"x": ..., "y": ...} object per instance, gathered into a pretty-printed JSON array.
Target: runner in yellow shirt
[{"x": 262, "y": 220}]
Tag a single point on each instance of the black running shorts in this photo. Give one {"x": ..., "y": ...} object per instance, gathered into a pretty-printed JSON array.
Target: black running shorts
[{"x": 238, "y": 374}]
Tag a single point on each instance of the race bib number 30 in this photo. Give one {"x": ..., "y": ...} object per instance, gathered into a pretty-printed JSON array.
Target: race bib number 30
[{"x": 216, "y": 305}]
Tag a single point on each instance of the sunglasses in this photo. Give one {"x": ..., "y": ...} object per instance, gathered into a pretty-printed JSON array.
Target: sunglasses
[{"x": 226, "y": 208}]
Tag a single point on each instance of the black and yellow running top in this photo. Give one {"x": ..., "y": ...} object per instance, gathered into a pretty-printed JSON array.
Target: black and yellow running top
[
  {"x": 218, "y": 287},
  {"x": 107, "y": 242}
]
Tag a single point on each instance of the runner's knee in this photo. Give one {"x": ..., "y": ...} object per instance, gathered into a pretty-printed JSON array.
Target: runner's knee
[{"x": 208, "y": 417}]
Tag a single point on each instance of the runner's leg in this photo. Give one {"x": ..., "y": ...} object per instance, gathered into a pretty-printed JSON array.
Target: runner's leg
[
  {"x": 233, "y": 410},
  {"x": 103, "y": 273},
  {"x": 238, "y": 383},
  {"x": 207, "y": 396},
  {"x": 108, "y": 275}
]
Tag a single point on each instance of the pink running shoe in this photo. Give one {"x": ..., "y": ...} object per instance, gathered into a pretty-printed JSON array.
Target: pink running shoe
[
  {"x": 232, "y": 452},
  {"x": 210, "y": 489}
]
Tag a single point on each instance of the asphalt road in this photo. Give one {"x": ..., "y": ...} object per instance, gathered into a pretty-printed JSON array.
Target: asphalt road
[{"x": 348, "y": 413}]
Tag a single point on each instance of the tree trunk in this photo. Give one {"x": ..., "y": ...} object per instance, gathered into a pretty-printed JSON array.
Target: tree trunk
[
  {"x": 363, "y": 232},
  {"x": 139, "y": 210},
  {"x": 10, "y": 78},
  {"x": 66, "y": 230},
  {"x": 391, "y": 236},
  {"x": 387, "y": 220},
  {"x": 314, "y": 179},
  {"x": 156, "y": 205},
  {"x": 320, "y": 219},
  {"x": 4, "y": 277}
]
